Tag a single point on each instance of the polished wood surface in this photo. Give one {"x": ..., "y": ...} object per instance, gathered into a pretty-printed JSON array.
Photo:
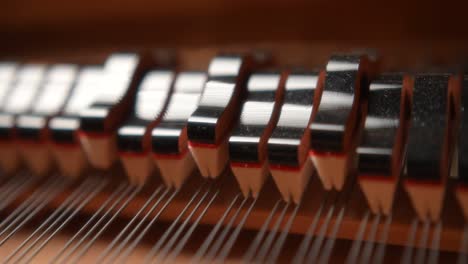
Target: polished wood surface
[{"x": 46, "y": 27}]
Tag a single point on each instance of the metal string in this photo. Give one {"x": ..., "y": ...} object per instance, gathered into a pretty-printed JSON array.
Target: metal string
[
  {"x": 356, "y": 247},
  {"x": 382, "y": 244},
  {"x": 28, "y": 204},
  {"x": 232, "y": 239},
  {"x": 301, "y": 252},
  {"x": 12, "y": 182},
  {"x": 408, "y": 253},
  {"x": 9, "y": 186},
  {"x": 96, "y": 236},
  {"x": 173, "y": 239},
  {"x": 332, "y": 238},
  {"x": 421, "y": 253},
  {"x": 112, "y": 248},
  {"x": 204, "y": 247},
  {"x": 187, "y": 235},
  {"x": 462, "y": 257},
  {"x": 380, "y": 252},
  {"x": 328, "y": 248},
  {"x": 314, "y": 252},
  {"x": 129, "y": 249},
  {"x": 259, "y": 237},
  {"x": 15, "y": 183},
  {"x": 181, "y": 228},
  {"x": 9, "y": 182},
  {"x": 280, "y": 241},
  {"x": 13, "y": 193},
  {"x": 368, "y": 248},
  {"x": 166, "y": 234},
  {"x": 218, "y": 243},
  {"x": 71, "y": 199},
  {"x": 87, "y": 198},
  {"x": 433, "y": 241},
  {"x": 109, "y": 248},
  {"x": 269, "y": 239},
  {"x": 42, "y": 200},
  {"x": 434, "y": 253},
  {"x": 119, "y": 191}
]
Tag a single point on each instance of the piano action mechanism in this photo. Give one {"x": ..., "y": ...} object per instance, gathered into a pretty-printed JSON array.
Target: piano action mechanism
[{"x": 254, "y": 151}]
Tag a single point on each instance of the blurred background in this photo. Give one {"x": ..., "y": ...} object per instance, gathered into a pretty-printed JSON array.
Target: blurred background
[{"x": 410, "y": 35}]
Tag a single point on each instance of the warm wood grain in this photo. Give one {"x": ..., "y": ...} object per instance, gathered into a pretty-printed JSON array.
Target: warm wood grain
[
  {"x": 355, "y": 208},
  {"x": 51, "y": 27}
]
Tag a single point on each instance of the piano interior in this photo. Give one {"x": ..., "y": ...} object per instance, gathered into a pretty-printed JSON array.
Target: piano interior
[{"x": 233, "y": 131}]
